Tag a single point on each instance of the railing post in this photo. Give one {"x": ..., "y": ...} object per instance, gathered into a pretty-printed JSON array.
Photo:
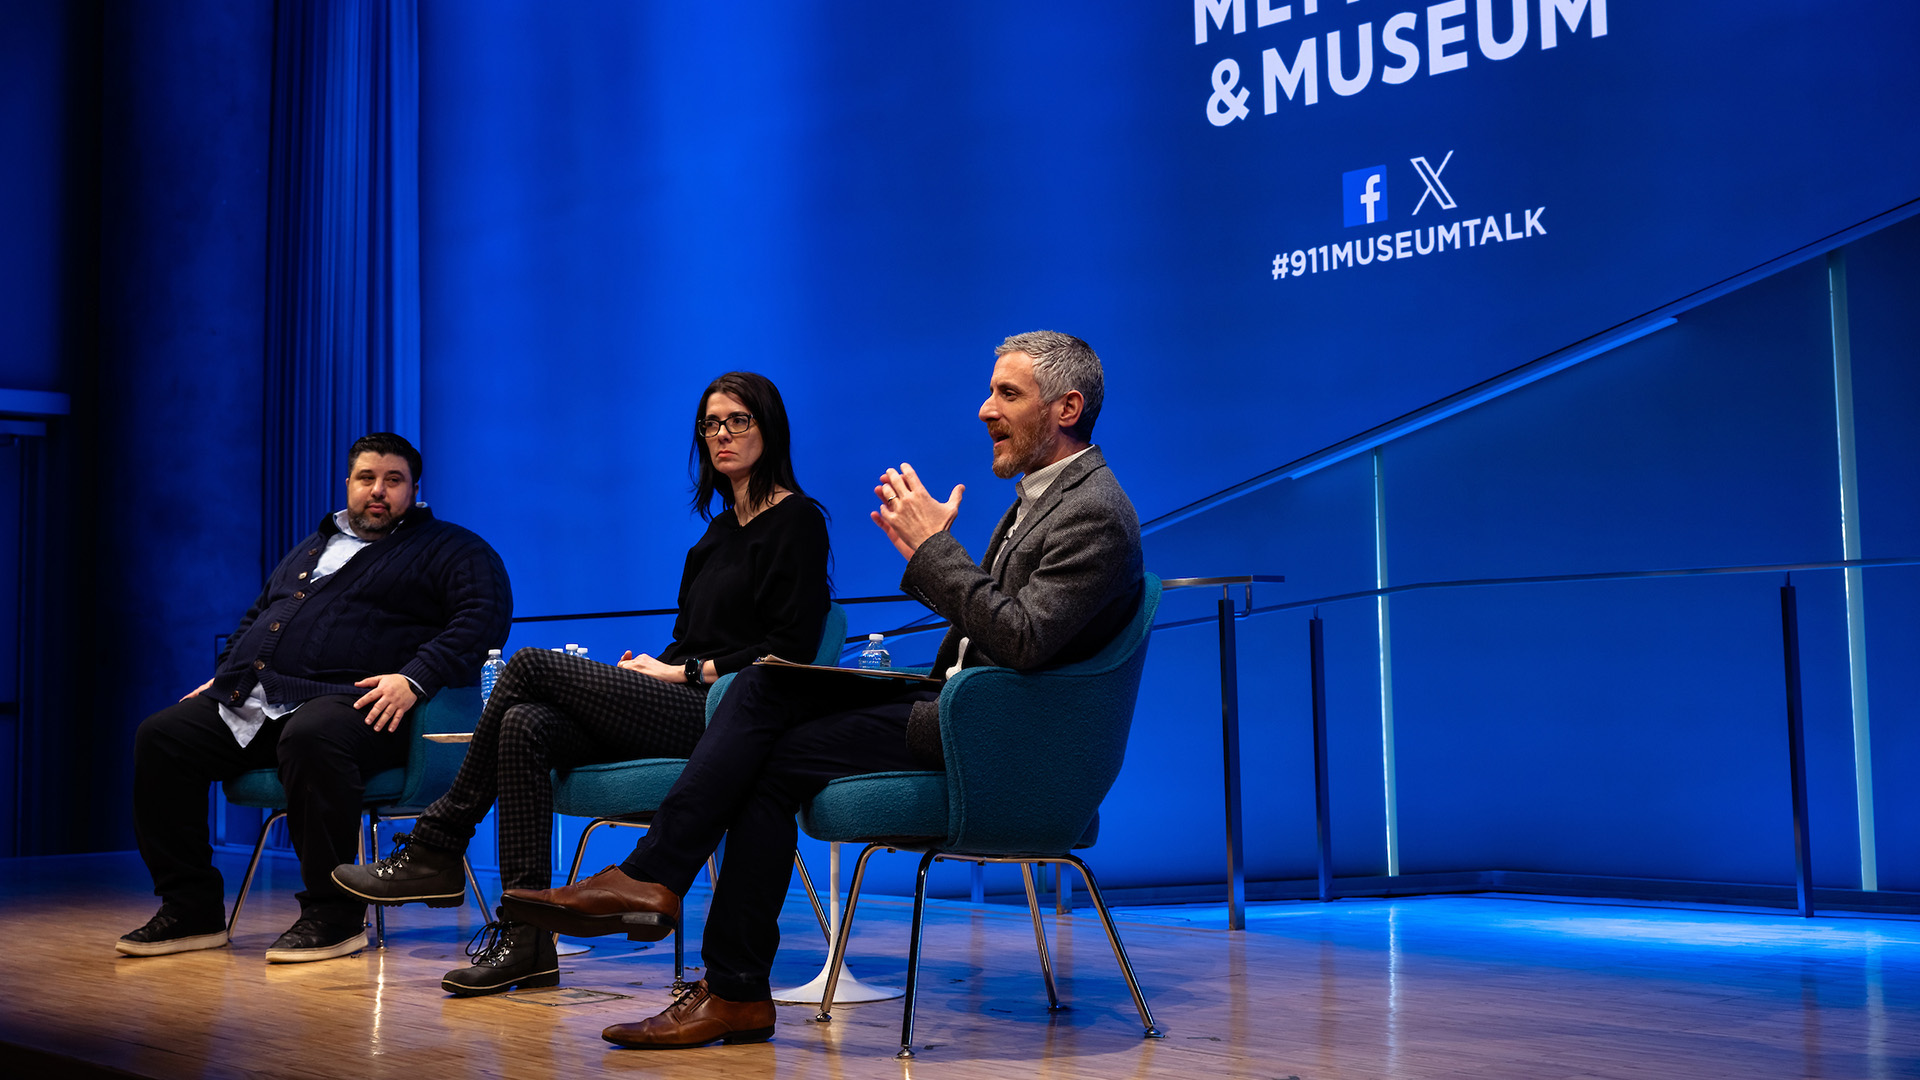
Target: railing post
[
  {"x": 1230, "y": 749},
  {"x": 1796, "y": 748},
  {"x": 1323, "y": 833}
]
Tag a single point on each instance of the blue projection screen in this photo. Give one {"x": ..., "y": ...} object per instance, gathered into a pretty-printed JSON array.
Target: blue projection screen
[{"x": 1280, "y": 224}]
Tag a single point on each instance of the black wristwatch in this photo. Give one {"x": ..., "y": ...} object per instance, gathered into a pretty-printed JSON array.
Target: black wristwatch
[{"x": 694, "y": 678}]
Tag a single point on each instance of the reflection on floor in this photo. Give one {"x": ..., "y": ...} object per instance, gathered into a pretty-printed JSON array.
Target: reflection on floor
[{"x": 1419, "y": 988}]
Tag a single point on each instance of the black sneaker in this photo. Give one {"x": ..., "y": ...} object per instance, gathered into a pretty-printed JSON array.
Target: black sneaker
[
  {"x": 414, "y": 873},
  {"x": 172, "y": 930},
  {"x": 505, "y": 954},
  {"x": 310, "y": 939}
]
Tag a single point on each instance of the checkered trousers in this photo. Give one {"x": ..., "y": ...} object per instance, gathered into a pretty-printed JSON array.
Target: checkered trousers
[{"x": 550, "y": 711}]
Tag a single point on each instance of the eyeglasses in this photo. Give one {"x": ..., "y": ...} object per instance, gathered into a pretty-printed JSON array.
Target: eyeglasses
[{"x": 737, "y": 424}]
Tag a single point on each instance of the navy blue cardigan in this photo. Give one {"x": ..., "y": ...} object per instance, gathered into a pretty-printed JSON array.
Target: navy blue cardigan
[{"x": 427, "y": 600}]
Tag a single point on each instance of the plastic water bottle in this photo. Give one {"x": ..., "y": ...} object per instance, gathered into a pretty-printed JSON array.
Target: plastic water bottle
[
  {"x": 875, "y": 656},
  {"x": 490, "y": 673},
  {"x": 572, "y": 649}
]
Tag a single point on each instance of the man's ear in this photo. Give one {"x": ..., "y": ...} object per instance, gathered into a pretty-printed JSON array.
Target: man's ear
[{"x": 1070, "y": 403}]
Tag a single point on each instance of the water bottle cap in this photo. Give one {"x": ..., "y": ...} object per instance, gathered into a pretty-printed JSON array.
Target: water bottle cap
[
  {"x": 493, "y": 652},
  {"x": 876, "y": 637}
]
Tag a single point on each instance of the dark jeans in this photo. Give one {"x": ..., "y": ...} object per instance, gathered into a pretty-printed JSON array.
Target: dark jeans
[
  {"x": 777, "y": 738},
  {"x": 324, "y": 751}
]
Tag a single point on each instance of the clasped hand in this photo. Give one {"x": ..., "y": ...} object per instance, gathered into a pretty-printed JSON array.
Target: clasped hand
[
  {"x": 908, "y": 513},
  {"x": 387, "y": 701}
]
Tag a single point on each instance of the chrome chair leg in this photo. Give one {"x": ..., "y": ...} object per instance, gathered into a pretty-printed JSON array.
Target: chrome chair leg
[
  {"x": 1119, "y": 950},
  {"x": 1040, "y": 938},
  {"x": 580, "y": 849},
  {"x": 838, "y": 954},
  {"x": 473, "y": 882},
  {"x": 370, "y": 843},
  {"x": 913, "y": 955},
  {"x": 246, "y": 883},
  {"x": 806, "y": 880}
]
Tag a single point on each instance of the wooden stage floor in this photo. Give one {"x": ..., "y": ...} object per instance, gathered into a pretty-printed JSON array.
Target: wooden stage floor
[{"x": 1416, "y": 988}]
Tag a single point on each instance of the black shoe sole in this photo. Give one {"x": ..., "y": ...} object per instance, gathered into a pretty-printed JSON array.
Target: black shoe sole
[
  {"x": 524, "y": 982},
  {"x": 441, "y": 900},
  {"x": 731, "y": 1038},
  {"x": 637, "y": 925}
]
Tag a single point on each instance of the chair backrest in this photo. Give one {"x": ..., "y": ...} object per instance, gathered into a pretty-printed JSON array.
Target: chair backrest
[
  {"x": 1029, "y": 756},
  {"x": 833, "y": 636},
  {"x": 431, "y": 766}
]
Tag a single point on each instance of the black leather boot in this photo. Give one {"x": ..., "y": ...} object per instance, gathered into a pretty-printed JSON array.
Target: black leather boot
[{"x": 505, "y": 955}]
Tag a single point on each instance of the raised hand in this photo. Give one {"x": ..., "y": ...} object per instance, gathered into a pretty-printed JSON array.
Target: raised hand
[{"x": 908, "y": 512}]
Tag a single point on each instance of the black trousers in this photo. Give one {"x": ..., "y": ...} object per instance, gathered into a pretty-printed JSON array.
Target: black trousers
[
  {"x": 777, "y": 738},
  {"x": 554, "y": 711},
  {"x": 324, "y": 751}
]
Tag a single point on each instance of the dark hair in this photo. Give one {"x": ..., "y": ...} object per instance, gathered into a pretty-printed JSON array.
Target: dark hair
[
  {"x": 775, "y": 467},
  {"x": 385, "y": 442}
]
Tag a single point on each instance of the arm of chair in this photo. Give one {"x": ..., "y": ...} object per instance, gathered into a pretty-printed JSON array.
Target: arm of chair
[
  {"x": 718, "y": 690},
  {"x": 431, "y": 766},
  {"x": 1030, "y": 756}
]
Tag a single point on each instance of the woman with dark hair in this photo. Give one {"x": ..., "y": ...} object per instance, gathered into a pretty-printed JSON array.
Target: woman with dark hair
[{"x": 755, "y": 584}]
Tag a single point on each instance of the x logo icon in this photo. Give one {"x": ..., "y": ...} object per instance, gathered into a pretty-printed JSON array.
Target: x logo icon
[{"x": 1430, "y": 176}]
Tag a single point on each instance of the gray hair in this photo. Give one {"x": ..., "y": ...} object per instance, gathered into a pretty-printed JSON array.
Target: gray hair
[{"x": 1061, "y": 363}]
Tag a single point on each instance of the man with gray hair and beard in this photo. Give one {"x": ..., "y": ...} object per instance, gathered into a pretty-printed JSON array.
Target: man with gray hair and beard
[{"x": 1060, "y": 577}]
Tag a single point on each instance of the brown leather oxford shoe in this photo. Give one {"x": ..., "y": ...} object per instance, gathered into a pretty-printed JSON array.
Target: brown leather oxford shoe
[
  {"x": 697, "y": 1018},
  {"x": 609, "y": 902}
]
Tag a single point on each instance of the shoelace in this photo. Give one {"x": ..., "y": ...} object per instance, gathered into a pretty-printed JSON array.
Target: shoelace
[
  {"x": 397, "y": 857},
  {"x": 493, "y": 949},
  {"x": 687, "y": 997}
]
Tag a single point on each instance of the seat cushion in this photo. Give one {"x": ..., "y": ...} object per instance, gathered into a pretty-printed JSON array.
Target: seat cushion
[
  {"x": 615, "y": 788},
  {"x": 874, "y": 806},
  {"x": 261, "y": 789}
]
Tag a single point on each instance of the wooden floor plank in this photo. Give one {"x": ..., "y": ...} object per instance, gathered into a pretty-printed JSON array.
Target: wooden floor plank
[{"x": 1414, "y": 988}]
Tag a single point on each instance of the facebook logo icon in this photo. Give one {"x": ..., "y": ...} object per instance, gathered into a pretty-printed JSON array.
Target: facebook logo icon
[{"x": 1363, "y": 196}]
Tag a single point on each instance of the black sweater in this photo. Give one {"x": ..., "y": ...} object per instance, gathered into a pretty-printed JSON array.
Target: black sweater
[
  {"x": 754, "y": 589},
  {"x": 427, "y": 600}
]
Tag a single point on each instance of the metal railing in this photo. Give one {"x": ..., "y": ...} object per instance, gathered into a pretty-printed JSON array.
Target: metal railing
[{"x": 1790, "y": 648}]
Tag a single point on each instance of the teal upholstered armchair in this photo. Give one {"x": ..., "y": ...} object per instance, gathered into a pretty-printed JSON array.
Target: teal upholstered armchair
[{"x": 1029, "y": 757}]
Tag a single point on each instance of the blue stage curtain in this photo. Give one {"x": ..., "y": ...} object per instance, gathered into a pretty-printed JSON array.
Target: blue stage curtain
[{"x": 343, "y": 250}]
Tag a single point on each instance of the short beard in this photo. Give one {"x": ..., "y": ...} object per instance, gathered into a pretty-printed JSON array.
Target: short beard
[
  {"x": 1023, "y": 451},
  {"x": 365, "y": 526}
]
